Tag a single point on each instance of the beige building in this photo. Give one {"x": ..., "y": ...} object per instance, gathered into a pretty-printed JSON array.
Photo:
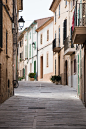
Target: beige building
[{"x": 6, "y": 48}]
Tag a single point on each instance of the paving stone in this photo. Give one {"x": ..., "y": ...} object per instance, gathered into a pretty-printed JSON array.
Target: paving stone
[{"x": 40, "y": 105}]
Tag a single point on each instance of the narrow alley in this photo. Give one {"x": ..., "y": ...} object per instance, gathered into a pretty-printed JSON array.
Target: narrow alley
[{"x": 40, "y": 105}]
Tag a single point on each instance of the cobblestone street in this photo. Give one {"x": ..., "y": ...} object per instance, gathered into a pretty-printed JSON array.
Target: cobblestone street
[{"x": 40, "y": 105}]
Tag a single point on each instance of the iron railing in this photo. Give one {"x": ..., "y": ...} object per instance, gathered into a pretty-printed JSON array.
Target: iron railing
[
  {"x": 80, "y": 14},
  {"x": 68, "y": 43},
  {"x": 56, "y": 43}
]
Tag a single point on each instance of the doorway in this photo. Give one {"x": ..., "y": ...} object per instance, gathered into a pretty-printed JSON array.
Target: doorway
[
  {"x": 41, "y": 68},
  {"x": 78, "y": 77},
  {"x": 59, "y": 65},
  {"x": 71, "y": 73}
]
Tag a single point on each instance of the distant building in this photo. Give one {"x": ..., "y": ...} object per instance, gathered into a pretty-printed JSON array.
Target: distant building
[{"x": 45, "y": 52}]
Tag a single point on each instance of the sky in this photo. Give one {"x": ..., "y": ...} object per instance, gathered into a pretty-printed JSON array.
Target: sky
[{"x": 35, "y": 9}]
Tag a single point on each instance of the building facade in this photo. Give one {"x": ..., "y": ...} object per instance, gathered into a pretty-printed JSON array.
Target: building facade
[
  {"x": 45, "y": 53},
  {"x": 6, "y": 48}
]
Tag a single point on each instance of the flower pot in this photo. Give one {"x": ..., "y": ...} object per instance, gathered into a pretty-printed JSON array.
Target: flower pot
[
  {"x": 56, "y": 83},
  {"x": 31, "y": 79}
]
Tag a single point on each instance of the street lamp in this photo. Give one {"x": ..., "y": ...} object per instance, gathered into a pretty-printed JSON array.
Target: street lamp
[
  {"x": 21, "y": 22},
  {"x": 33, "y": 45}
]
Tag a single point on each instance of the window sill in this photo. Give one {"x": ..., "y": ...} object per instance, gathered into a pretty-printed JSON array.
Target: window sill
[
  {"x": 65, "y": 6},
  {"x": 59, "y": 17}
]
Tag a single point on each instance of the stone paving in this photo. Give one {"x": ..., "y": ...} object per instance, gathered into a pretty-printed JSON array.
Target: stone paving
[{"x": 41, "y": 105}]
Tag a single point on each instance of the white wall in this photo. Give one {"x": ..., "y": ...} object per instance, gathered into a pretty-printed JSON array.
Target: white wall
[{"x": 45, "y": 47}]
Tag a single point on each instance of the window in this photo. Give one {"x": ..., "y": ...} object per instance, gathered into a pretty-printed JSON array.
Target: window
[
  {"x": 65, "y": 3},
  {"x": 65, "y": 29},
  {"x": 6, "y": 41},
  {"x": 47, "y": 35},
  {"x": 30, "y": 35},
  {"x": 55, "y": 66},
  {"x": 35, "y": 45},
  {"x": 29, "y": 50},
  {"x": 75, "y": 66},
  {"x": 41, "y": 39},
  {"x": 59, "y": 36},
  {"x": 55, "y": 17},
  {"x": 73, "y": 2},
  {"x": 20, "y": 43},
  {"x": 47, "y": 59},
  {"x": 59, "y": 10}
]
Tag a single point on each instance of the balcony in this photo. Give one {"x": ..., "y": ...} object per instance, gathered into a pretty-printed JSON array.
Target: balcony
[
  {"x": 79, "y": 31},
  {"x": 56, "y": 45},
  {"x": 68, "y": 46}
]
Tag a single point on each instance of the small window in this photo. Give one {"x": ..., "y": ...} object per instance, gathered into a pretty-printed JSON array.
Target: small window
[
  {"x": 30, "y": 35},
  {"x": 47, "y": 35},
  {"x": 73, "y": 2},
  {"x": 75, "y": 66},
  {"x": 65, "y": 3},
  {"x": 20, "y": 43},
  {"x": 55, "y": 17},
  {"x": 55, "y": 66},
  {"x": 41, "y": 39},
  {"x": 59, "y": 10},
  {"x": 47, "y": 59}
]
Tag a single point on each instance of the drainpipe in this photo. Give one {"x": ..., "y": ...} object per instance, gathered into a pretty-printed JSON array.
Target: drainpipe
[
  {"x": 37, "y": 56},
  {"x": 32, "y": 46}
]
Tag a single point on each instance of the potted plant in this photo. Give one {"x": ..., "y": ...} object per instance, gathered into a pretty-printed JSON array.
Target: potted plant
[
  {"x": 53, "y": 78},
  {"x": 59, "y": 79},
  {"x": 32, "y": 75}
]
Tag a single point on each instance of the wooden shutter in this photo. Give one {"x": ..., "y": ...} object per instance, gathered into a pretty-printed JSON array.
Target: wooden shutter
[
  {"x": 47, "y": 60},
  {"x": 47, "y": 35},
  {"x": 41, "y": 39},
  {"x": 1, "y": 24}
]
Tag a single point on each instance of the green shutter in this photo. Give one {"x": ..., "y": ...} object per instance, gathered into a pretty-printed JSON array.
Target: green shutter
[
  {"x": 35, "y": 46},
  {"x": 30, "y": 35},
  {"x": 29, "y": 50},
  {"x": 26, "y": 51},
  {"x": 35, "y": 68}
]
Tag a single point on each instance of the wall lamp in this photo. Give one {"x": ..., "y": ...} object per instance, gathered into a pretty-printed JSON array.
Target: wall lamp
[{"x": 21, "y": 23}]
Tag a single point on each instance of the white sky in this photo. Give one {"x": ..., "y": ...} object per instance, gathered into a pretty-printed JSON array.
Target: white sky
[{"x": 35, "y": 9}]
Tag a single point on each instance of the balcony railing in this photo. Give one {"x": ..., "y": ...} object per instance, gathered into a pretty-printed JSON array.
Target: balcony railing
[
  {"x": 68, "y": 46},
  {"x": 68, "y": 43},
  {"x": 79, "y": 24},
  {"x": 80, "y": 14},
  {"x": 56, "y": 45}
]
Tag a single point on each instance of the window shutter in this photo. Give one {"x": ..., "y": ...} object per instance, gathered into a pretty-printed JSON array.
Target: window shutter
[
  {"x": 63, "y": 32},
  {"x": 26, "y": 51},
  {"x": 35, "y": 46},
  {"x": 29, "y": 50},
  {"x": 65, "y": 29},
  {"x": 1, "y": 24}
]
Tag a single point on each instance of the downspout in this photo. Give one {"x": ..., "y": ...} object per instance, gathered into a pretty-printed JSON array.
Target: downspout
[
  {"x": 13, "y": 48},
  {"x": 37, "y": 56},
  {"x": 32, "y": 46}
]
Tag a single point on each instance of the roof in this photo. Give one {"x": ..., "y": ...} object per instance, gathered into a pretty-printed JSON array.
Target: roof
[
  {"x": 49, "y": 20},
  {"x": 54, "y": 5}
]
